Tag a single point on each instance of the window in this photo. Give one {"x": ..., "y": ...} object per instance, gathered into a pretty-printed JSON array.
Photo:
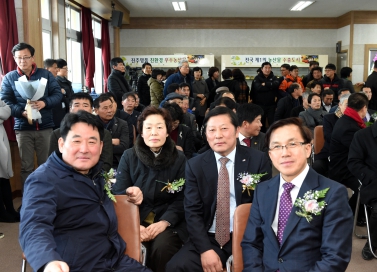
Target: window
[
  {"x": 46, "y": 29},
  {"x": 74, "y": 48},
  {"x": 98, "y": 75}
]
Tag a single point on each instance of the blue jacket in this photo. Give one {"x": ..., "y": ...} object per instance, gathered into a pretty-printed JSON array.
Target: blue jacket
[
  {"x": 67, "y": 216},
  {"x": 178, "y": 78},
  {"x": 52, "y": 97}
]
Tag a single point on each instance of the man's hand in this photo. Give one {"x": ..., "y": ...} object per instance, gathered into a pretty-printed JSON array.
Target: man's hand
[
  {"x": 156, "y": 228},
  {"x": 203, "y": 101},
  {"x": 360, "y": 84},
  {"x": 211, "y": 261},
  {"x": 115, "y": 141},
  {"x": 135, "y": 195},
  {"x": 263, "y": 84},
  {"x": 56, "y": 266},
  {"x": 179, "y": 148},
  {"x": 38, "y": 105},
  {"x": 145, "y": 235},
  {"x": 24, "y": 114}
]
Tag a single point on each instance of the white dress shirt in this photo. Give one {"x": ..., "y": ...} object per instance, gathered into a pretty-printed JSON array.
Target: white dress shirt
[
  {"x": 297, "y": 181},
  {"x": 327, "y": 108},
  {"x": 241, "y": 137},
  {"x": 233, "y": 204}
]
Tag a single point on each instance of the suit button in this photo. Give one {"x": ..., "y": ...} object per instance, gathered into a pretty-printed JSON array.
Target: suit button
[
  {"x": 101, "y": 202},
  {"x": 280, "y": 260}
]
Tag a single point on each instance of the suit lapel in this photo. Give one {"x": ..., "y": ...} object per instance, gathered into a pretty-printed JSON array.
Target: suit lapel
[
  {"x": 209, "y": 168},
  {"x": 271, "y": 202},
  {"x": 241, "y": 164},
  {"x": 310, "y": 183}
]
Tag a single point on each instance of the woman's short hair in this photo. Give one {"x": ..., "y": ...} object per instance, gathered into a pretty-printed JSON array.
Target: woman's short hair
[
  {"x": 150, "y": 110},
  {"x": 311, "y": 97},
  {"x": 212, "y": 70}
]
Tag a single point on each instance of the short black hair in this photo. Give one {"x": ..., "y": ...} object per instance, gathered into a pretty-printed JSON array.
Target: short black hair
[
  {"x": 184, "y": 84},
  {"x": 115, "y": 61},
  {"x": 313, "y": 62},
  {"x": 70, "y": 119},
  {"x": 226, "y": 73},
  {"x": 357, "y": 101},
  {"x": 293, "y": 87},
  {"x": 172, "y": 88},
  {"x": 127, "y": 95},
  {"x": 212, "y": 70},
  {"x": 313, "y": 83},
  {"x": 285, "y": 65},
  {"x": 175, "y": 111},
  {"x": 327, "y": 92},
  {"x": 220, "y": 111},
  {"x": 195, "y": 69},
  {"x": 47, "y": 63},
  {"x": 101, "y": 98},
  {"x": 343, "y": 90},
  {"x": 305, "y": 132},
  {"x": 345, "y": 72},
  {"x": 145, "y": 64},
  {"x": 22, "y": 46},
  {"x": 310, "y": 97},
  {"x": 228, "y": 102},
  {"x": 293, "y": 67},
  {"x": 81, "y": 96},
  {"x": 316, "y": 69},
  {"x": 375, "y": 64},
  {"x": 156, "y": 72},
  {"x": 248, "y": 112},
  {"x": 330, "y": 66},
  {"x": 61, "y": 63},
  {"x": 265, "y": 63}
]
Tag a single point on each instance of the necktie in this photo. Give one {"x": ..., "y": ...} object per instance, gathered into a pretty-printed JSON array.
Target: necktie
[
  {"x": 285, "y": 208},
  {"x": 222, "y": 235},
  {"x": 365, "y": 119},
  {"x": 247, "y": 141}
]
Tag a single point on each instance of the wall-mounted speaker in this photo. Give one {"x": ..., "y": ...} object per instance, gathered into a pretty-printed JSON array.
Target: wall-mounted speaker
[
  {"x": 116, "y": 18},
  {"x": 338, "y": 47}
]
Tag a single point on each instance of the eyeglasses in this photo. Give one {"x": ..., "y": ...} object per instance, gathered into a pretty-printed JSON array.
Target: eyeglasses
[
  {"x": 22, "y": 58},
  {"x": 292, "y": 145}
]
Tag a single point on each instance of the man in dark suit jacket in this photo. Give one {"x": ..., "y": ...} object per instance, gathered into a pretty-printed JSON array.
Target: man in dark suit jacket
[
  {"x": 249, "y": 120},
  {"x": 341, "y": 138},
  {"x": 116, "y": 82},
  {"x": 202, "y": 251},
  {"x": 291, "y": 100},
  {"x": 276, "y": 237},
  {"x": 372, "y": 83}
]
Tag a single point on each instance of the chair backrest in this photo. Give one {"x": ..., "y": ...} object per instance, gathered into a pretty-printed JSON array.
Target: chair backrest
[
  {"x": 319, "y": 139},
  {"x": 129, "y": 225},
  {"x": 241, "y": 216}
]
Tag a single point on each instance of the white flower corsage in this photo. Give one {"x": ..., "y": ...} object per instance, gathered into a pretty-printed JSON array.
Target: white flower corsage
[
  {"x": 109, "y": 178},
  {"x": 173, "y": 187},
  {"x": 309, "y": 204},
  {"x": 249, "y": 181}
]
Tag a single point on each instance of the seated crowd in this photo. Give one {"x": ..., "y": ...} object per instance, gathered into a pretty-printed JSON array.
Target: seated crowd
[{"x": 188, "y": 151}]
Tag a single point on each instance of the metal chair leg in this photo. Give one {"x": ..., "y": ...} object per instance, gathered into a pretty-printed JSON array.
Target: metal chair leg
[
  {"x": 143, "y": 254},
  {"x": 229, "y": 264},
  {"x": 360, "y": 236},
  {"x": 369, "y": 240},
  {"x": 24, "y": 264}
]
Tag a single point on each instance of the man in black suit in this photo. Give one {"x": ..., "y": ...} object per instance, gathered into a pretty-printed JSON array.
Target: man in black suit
[
  {"x": 372, "y": 83},
  {"x": 249, "y": 119},
  {"x": 204, "y": 177},
  {"x": 116, "y": 82},
  {"x": 327, "y": 99},
  {"x": 341, "y": 138}
]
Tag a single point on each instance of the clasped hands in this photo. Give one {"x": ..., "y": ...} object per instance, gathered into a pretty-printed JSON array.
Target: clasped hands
[{"x": 150, "y": 232}]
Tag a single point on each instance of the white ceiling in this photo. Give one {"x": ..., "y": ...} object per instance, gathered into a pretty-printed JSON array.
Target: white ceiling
[{"x": 245, "y": 8}]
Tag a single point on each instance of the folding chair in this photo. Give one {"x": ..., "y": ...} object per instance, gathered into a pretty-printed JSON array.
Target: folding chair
[{"x": 241, "y": 216}]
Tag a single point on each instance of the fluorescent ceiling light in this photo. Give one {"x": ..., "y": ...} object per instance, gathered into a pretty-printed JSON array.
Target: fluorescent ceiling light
[
  {"x": 179, "y": 6},
  {"x": 302, "y": 5}
]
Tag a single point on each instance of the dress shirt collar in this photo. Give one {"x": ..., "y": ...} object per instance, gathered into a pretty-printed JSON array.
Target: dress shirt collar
[
  {"x": 297, "y": 181},
  {"x": 231, "y": 156}
]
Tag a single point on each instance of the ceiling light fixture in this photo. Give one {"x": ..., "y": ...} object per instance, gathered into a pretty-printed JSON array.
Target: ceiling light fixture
[
  {"x": 179, "y": 6},
  {"x": 302, "y": 5}
]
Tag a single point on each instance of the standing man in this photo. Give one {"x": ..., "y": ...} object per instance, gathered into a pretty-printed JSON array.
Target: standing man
[
  {"x": 362, "y": 162},
  {"x": 332, "y": 81},
  {"x": 277, "y": 236},
  {"x": 212, "y": 81},
  {"x": 212, "y": 193},
  {"x": 103, "y": 106},
  {"x": 183, "y": 75},
  {"x": 32, "y": 135},
  {"x": 142, "y": 84},
  {"x": 68, "y": 221},
  {"x": 264, "y": 92},
  {"x": 341, "y": 138},
  {"x": 67, "y": 91},
  {"x": 83, "y": 101},
  {"x": 51, "y": 65},
  {"x": 309, "y": 77},
  {"x": 249, "y": 119},
  {"x": 116, "y": 82},
  {"x": 372, "y": 83}
]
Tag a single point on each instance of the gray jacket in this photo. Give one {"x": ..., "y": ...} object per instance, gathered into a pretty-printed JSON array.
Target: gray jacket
[{"x": 6, "y": 160}]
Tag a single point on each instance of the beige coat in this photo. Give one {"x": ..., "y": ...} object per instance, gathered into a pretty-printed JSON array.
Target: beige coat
[{"x": 6, "y": 160}]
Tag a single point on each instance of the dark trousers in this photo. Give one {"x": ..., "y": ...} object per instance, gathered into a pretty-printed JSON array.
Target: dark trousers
[
  {"x": 188, "y": 258},
  {"x": 321, "y": 167},
  {"x": 161, "y": 249},
  {"x": 6, "y": 200},
  {"x": 269, "y": 114},
  {"x": 373, "y": 223}
]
